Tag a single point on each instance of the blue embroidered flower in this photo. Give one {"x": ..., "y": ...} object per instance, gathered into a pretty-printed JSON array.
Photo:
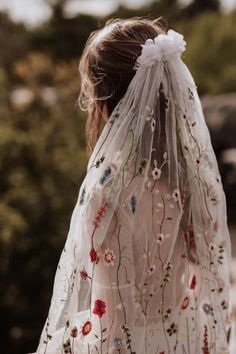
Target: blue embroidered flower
[
  {"x": 106, "y": 175},
  {"x": 133, "y": 203},
  {"x": 117, "y": 342},
  {"x": 82, "y": 196}
]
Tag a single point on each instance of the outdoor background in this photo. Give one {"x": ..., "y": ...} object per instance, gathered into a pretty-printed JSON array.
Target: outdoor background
[{"x": 42, "y": 140}]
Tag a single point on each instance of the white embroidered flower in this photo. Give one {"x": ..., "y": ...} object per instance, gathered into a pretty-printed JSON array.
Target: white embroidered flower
[
  {"x": 176, "y": 195},
  {"x": 153, "y": 124},
  {"x": 165, "y": 155},
  {"x": 156, "y": 172},
  {"x": 119, "y": 306},
  {"x": 161, "y": 48}
]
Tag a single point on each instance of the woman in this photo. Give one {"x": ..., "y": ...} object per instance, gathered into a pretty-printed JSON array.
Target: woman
[{"x": 145, "y": 267}]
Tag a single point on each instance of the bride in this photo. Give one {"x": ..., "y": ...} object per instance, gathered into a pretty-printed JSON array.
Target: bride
[{"x": 145, "y": 267}]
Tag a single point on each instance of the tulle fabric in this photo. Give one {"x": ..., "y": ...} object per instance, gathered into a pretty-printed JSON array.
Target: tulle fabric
[{"x": 145, "y": 267}]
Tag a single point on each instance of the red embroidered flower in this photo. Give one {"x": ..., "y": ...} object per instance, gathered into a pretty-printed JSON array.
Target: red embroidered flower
[
  {"x": 93, "y": 255},
  {"x": 186, "y": 236},
  {"x": 99, "y": 308},
  {"x": 87, "y": 327},
  {"x": 83, "y": 274},
  {"x": 193, "y": 282},
  {"x": 99, "y": 215},
  {"x": 185, "y": 303},
  {"x": 205, "y": 347}
]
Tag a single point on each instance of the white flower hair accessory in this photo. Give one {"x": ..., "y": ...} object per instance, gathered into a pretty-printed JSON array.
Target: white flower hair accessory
[{"x": 161, "y": 48}]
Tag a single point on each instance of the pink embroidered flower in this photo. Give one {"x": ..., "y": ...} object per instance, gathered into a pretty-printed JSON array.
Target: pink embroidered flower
[
  {"x": 99, "y": 308},
  {"x": 109, "y": 257}
]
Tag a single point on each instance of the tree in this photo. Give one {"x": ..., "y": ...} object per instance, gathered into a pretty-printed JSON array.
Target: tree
[{"x": 197, "y": 7}]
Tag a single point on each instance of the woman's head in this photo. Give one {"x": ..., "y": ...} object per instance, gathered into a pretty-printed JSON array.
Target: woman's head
[{"x": 106, "y": 67}]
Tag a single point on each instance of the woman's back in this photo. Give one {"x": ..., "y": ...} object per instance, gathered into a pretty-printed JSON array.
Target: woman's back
[{"x": 145, "y": 268}]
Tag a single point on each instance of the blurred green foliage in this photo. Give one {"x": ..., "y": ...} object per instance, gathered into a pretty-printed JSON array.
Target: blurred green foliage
[{"x": 42, "y": 142}]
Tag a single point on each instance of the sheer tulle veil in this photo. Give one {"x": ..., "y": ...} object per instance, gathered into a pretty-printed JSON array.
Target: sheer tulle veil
[{"x": 158, "y": 131}]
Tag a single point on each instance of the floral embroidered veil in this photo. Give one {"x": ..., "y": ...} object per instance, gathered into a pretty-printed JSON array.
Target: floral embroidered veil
[{"x": 156, "y": 132}]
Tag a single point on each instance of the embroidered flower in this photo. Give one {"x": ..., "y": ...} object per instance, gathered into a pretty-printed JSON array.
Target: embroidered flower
[
  {"x": 176, "y": 195},
  {"x": 150, "y": 118},
  {"x": 109, "y": 257},
  {"x": 99, "y": 308},
  {"x": 161, "y": 48},
  {"x": 185, "y": 303},
  {"x": 193, "y": 282},
  {"x": 156, "y": 172},
  {"x": 86, "y": 327},
  {"x": 153, "y": 124},
  {"x": 206, "y": 308},
  {"x": 117, "y": 342},
  {"x": 67, "y": 347},
  {"x": 172, "y": 329},
  {"x": 83, "y": 274},
  {"x": 74, "y": 332},
  {"x": 133, "y": 203},
  {"x": 93, "y": 256},
  {"x": 106, "y": 175},
  {"x": 119, "y": 307},
  {"x": 81, "y": 200},
  {"x": 205, "y": 347},
  {"x": 99, "y": 215}
]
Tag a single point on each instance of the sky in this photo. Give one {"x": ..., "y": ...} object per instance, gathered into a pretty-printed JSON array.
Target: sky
[{"x": 34, "y": 12}]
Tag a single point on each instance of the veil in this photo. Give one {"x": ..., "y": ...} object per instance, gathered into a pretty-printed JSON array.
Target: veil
[{"x": 156, "y": 137}]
